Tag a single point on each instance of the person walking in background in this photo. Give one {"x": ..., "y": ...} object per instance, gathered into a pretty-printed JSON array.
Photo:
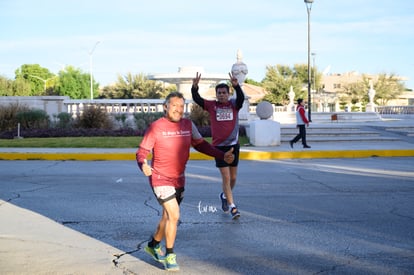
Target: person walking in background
[
  {"x": 301, "y": 122},
  {"x": 224, "y": 117},
  {"x": 169, "y": 139}
]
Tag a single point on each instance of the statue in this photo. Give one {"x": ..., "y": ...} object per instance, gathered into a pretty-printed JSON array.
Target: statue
[
  {"x": 371, "y": 94},
  {"x": 291, "y": 105},
  {"x": 239, "y": 69}
]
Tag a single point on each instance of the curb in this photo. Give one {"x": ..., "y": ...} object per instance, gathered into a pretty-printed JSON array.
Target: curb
[{"x": 249, "y": 155}]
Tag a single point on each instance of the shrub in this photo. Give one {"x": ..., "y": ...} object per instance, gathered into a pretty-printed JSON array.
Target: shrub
[
  {"x": 94, "y": 118},
  {"x": 199, "y": 116},
  {"x": 124, "y": 120},
  {"x": 72, "y": 132},
  {"x": 65, "y": 120},
  {"x": 8, "y": 116},
  {"x": 121, "y": 118},
  {"x": 143, "y": 120},
  {"x": 33, "y": 119}
]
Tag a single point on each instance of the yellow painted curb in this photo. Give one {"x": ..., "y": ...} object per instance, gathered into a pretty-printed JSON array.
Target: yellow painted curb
[
  {"x": 256, "y": 155},
  {"x": 250, "y": 155}
]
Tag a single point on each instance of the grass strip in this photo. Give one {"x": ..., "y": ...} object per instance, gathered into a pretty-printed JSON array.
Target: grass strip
[{"x": 81, "y": 142}]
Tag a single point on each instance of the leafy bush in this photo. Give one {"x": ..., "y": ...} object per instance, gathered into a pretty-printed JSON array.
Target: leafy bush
[
  {"x": 199, "y": 116},
  {"x": 143, "y": 120},
  {"x": 94, "y": 118},
  {"x": 65, "y": 120},
  {"x": 70, "y": 132},
  {"x": 8, "y": 116},
  {"x": 120, "y": 118},
  {"x": 92, "y": 122},
  {"x": 33, "y": 119}
]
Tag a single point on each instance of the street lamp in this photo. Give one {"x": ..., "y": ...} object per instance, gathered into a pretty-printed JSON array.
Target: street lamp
[
  {"x": 308, "y": 8},
  {"x": 314, "y": 72},
  {"x": 90, "y": 66},
  {"x": 44, "y": 80}
]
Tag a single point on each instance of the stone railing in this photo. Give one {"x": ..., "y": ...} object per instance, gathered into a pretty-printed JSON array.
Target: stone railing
[
  {"x": 395, "y": 110},
  {"x": 54, "y": 105},
  {"x": 276, "y": 109},
  {"x": 120, "y": 106},
  {"x": 131, "y": 106}
]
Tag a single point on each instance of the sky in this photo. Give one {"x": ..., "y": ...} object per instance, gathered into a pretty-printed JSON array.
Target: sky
[{"x": 160, "y": 36}]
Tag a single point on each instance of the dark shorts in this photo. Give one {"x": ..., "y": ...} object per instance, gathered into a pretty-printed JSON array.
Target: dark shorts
[
  {"x": 166, "y": 193},
  {"x": 236, "y": 152}
]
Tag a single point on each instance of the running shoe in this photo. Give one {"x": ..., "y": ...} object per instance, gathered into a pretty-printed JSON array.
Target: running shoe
[
  {"x": 170, "y": 263},
  {"x": 235, "y": 214},
  {"x": 224, "y": 204},
  {"x": 155, "y": 252}
]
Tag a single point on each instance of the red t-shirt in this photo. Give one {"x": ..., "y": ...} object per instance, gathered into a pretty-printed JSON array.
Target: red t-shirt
[
  {"x": 170, "y": 145},
  {"x": 224, "y": 122}
]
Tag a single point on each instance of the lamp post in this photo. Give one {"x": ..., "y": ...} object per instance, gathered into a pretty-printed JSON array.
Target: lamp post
[
  {"x": 314, "y": 71},
  {"x": 44, "y": 80},
  {"x": 90, "y": 66},
  {"x": 314, "y": 81},
  {"x": 308, "y": 8}
]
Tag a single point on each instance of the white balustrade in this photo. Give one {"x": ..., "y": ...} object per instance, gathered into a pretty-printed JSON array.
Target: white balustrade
[
  {"x": 395, "y": 110},
  {"x": 119, "y": 106}
]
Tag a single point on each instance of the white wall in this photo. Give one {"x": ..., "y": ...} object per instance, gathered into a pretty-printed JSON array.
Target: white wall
[{"x": 52, "y": 105}]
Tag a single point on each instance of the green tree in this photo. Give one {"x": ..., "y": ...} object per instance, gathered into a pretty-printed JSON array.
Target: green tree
[
  {"x": 387, "y": 87},
  {"x": 18, "y": 87},
  {"x": 22, "y": 87},
  {"x": 134, "y": 86},
  {"x": 278, "y": 81},
  {"x": 74, "y": 83},
  {"x": 6, "y": 86},
  {"x": 301, "y": 72},
  {"x": 253, "y": 82},
  {"x": 37, "y": 77},
  {"x": 355, "y": 92}
]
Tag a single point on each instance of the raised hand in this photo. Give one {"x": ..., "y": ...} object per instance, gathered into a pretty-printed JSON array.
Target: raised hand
[
  {"x": 233, "y": 80},
  {"x": 196, "y": 80},
  {"x": 229, "y": 156},
  {"x": 146, "y": 169}
]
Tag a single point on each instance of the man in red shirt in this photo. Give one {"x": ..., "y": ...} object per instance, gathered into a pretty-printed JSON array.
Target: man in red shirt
[
  {"x": 301, "y": 122},
  {"x": 169, "y": 140},
  {"x": 224, "y": 119}
]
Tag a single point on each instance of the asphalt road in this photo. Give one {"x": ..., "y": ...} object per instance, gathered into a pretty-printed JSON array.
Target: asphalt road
[{"x": 298, "y": 216}]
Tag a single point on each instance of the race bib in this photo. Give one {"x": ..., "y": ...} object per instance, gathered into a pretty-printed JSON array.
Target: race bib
[{"x": 224, "y": 114}]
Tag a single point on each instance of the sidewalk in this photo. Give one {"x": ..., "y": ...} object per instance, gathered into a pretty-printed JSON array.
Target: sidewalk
[{"x": 32, "y": 242}]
